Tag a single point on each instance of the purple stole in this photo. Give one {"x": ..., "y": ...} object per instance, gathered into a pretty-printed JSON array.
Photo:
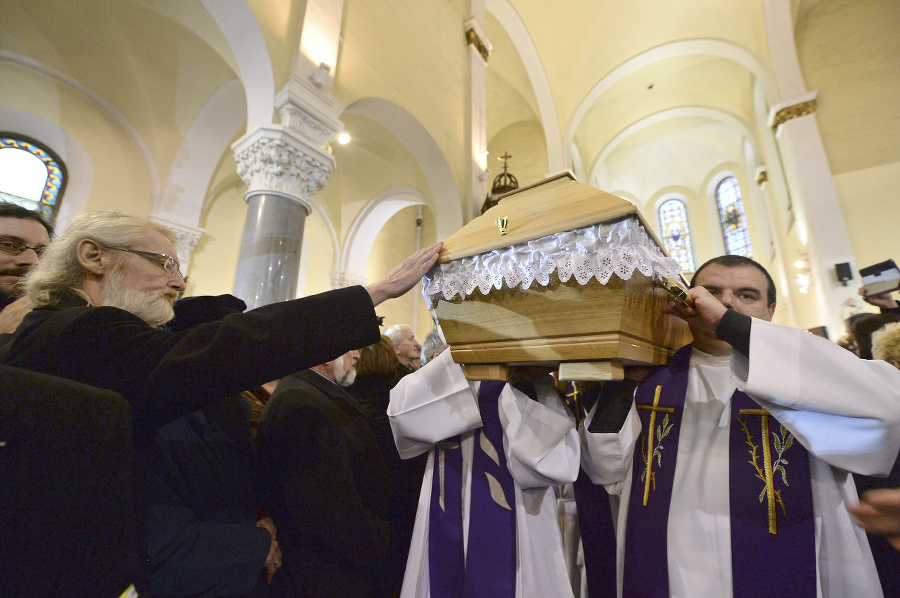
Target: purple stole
[
  {"x": 489, "y": 566},
  {"x": 595, "y": 521},
  {"x": 770, "y": 495}
]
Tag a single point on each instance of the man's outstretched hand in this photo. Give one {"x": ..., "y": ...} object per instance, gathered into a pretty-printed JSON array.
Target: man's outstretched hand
[{"x": 406, "y": 275}]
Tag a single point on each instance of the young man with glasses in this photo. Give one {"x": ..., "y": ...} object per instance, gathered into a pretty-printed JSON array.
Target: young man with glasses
[{"x": 23, "y": 236}]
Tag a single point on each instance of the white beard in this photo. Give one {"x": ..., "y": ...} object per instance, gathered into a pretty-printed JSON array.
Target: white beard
[
  {"x": 154, "y": 307},
  {"x": 341, "y": 376}
]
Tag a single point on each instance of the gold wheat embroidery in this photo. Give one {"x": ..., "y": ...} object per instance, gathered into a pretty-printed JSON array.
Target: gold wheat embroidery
[{"x": 766, "y": 472}]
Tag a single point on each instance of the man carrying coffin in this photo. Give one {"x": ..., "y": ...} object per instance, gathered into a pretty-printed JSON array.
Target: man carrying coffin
[
  {"x": 732, "y": 462},
  {"x": 487, "y": 523}
]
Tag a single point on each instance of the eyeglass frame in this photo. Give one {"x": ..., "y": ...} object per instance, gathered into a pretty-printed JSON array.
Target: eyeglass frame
[
  {"x": 167, "y": 262},
  {"x": 12, "y": 241}
]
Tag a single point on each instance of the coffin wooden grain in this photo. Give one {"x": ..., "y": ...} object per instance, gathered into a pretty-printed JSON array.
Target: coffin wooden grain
[{"x": 590, "y": 331}]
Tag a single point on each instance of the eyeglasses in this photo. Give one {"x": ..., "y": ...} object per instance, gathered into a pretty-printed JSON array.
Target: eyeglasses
[
  {"x": 169, "y": 263},
  {"x": 13, "y": 247}
]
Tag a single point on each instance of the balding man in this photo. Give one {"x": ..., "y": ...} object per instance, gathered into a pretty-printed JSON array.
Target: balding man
[
  {"x": 101, "y": 291},
  {"x": 325, "y": 483},
  {"x": 406, "y": 346}
]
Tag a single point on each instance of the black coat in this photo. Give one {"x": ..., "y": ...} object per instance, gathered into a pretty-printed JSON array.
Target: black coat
[
  {"x": 324, "y": 482},
  {"x": 167, "y": 375},
  {"x": 405, "y": 478},
  {"x": 67, "y": 526}
]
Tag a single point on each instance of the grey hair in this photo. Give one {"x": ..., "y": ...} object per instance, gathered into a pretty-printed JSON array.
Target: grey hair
[
  {"x": 395, "y": 333},
  {"x": 433, "y": 345},
  {"x": 58, "y": 270}
]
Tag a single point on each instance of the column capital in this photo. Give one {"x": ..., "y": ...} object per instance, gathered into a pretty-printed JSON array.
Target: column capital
[
  {"x": 276, "y": 159},
  {"x": 477, "y": 38},
  {"x": 188, "y": 236},
  {"x": 344, "y": 278},
  {"x": 803, "y": 105}
]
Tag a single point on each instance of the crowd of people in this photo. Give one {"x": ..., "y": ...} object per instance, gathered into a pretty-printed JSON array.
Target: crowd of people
[{"x": 297, "y": 450}]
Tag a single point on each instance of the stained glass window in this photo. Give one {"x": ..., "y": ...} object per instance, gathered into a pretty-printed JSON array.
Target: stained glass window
[
  {"x": 733, "y": 218},
  {"x": 30, "y": 175},
  {"x": 676, "y": 233}
]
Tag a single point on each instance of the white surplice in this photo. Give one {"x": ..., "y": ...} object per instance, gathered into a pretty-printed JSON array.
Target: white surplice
[
  {"x": 542, "y": 450},
  {"x": 843, "y": 410}
]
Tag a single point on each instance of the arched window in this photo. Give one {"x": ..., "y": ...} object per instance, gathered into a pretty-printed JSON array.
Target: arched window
[
  {"x": 733, "y": 218},
  {"x": 676, "y": 233},
  {"x": 30, "y": 175}
]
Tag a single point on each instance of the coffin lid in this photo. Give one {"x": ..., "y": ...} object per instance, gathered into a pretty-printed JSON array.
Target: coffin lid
[{"x": 557, "y": 204}]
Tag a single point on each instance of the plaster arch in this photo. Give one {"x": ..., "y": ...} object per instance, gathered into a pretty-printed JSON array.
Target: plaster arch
[
  {"x": 713, "y": 114},
  {"x": 241, "y": 30},
  {"x": 79, "y": 167},
  {"x": 509, "y": 19},
  {"x": 369, "y": 222},
  {"x": 215, "y": 125},
  {"x": 681, "y": 48},
  {"x": 445, "y": 202}
]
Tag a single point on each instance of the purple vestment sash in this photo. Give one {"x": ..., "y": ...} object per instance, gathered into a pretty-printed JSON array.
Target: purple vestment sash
[
  {"x": 489, "y": 566},
  {"x": 491, "y": 552},
  {"x": 446, "y": 560},
  {"x": 770, "y": 495},
  {"x": 595, "y": 521}
]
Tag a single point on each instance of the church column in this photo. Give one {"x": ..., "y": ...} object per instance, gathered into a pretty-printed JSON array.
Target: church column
[
  {"x": 811, "y": 183},
  {"x": 479, "y": 49},
  {"x": 283, "y": 165}
]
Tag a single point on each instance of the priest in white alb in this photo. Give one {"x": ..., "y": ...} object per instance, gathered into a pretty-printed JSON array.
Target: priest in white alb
[
  {"x": 487, "y": 520},
  {"x": 733, "y": 461}
]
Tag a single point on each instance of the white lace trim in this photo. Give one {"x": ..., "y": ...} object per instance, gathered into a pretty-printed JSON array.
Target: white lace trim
[{"x": 596, "y": 251}]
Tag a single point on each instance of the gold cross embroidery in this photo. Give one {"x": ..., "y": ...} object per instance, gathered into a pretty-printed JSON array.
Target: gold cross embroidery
[
  {"x": 653, "y": 409},
  {"x": 768, "y": 474},
  {"x": 576, "y": 406}
]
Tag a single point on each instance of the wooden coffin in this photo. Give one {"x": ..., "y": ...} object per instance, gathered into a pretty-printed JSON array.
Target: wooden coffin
[{"x": 589, "y": 330}]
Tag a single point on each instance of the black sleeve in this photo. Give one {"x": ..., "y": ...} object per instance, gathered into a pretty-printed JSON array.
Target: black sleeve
[
  {"x": 734, "y": 329},
  {"x": 165, "y": 375},
  {"x": 613, "y": 405}
]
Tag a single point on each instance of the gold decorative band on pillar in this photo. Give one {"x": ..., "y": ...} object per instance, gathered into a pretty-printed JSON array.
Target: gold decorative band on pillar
[
  {"x": 794, "y": 111},
  {"x": 473, "y": 39}
]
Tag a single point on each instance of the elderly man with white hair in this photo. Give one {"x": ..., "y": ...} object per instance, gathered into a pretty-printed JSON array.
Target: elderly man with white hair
[{"x": 101, "y": 291}]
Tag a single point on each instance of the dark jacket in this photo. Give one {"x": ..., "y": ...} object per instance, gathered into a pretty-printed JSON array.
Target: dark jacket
[
  {"x": 404, "y": 477},
  {"x": 167, "y": 375},
  {"x": 323, "y": 480},
  {"x": 67, "y": 526}
]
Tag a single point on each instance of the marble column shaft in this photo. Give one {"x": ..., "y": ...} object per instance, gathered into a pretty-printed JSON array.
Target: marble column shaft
[{"x": 270, "y": 249}]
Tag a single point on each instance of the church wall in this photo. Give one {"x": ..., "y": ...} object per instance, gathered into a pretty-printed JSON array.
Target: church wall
[
  {"x": 870, "y": 201},
  {"x": 524, "y": 141},
  {"x": 121, "y": 176},
  {"x": 392, "y": 245}
]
